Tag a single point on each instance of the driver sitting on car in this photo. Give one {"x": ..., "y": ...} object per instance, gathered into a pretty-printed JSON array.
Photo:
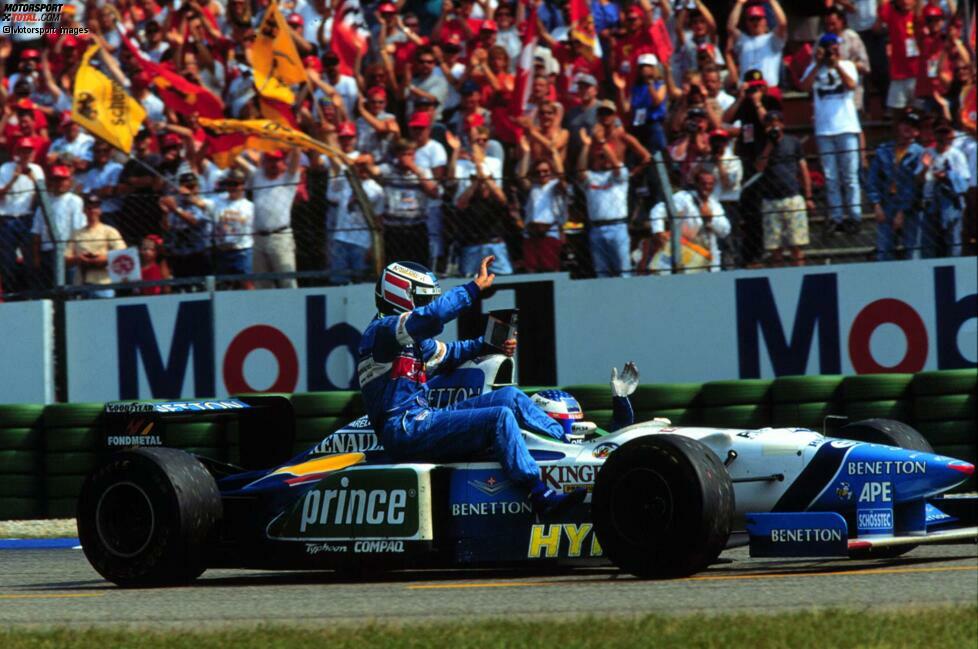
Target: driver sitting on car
[
  {"x": 566, "y": 410},
  {"x": 396, "y": 354}
]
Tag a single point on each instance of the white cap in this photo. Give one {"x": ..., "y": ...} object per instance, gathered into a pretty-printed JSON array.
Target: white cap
[{"x": 648, "y": 59}]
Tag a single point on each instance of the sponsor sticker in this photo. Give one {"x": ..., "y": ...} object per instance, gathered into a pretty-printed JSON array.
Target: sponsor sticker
[
  {"x": 876, "y": 492},
  {"x": 874, "y": 519},
  {"x": 490, "y": 486},
  {"x": 843, "y": 491},
  {"x": 886, "y": 467},
  {"x": 343, "y": 442},
  {"x": 601, "y": 451},
  {"x": 809, "y": 535},
  {"x": 200, "y": 406},
  {"x": 378, "y": 547},
  {"x": 326, "y": 548},
  {"x": 129, "y": 407},
  {"x": 550, "y": 541},
  {"x": 568, "y": 478}
]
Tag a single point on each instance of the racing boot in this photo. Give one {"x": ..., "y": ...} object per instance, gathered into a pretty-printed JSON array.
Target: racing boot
[{"x": 545, "y": 500}]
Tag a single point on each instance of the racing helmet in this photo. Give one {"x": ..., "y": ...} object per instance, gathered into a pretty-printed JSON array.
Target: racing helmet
[
  {"x": 561, "y": 406},
  {"x": 403, "y": 286}
]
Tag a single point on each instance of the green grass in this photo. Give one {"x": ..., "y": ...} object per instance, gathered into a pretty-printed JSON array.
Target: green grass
[{"x": 940, "y": 627}]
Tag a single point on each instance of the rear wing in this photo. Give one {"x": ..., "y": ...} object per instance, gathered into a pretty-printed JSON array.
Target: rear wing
[{"x": 264, "y": 425}]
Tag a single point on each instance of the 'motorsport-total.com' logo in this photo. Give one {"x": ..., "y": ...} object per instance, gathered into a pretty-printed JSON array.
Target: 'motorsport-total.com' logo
[{"x": 36, "y": 18}]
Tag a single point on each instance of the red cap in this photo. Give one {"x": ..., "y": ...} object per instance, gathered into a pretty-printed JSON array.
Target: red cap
[
  {"x": 24, "y": 104},
  {"x": 453, "y": 39},
  {"x": 70, "y": 41},
  {"x": 756, "y": 10},
  {"x": 719, "y": 132},
  {"x": 277, "y": 154},
  {"x": 387, "y": 8},
  {"x": 30, "y": 53},
  {"x": 930, "y": 11},
  {"x": 420, "y": 119},
  {"x": 24, "y": 143},
  {"x": 142, "y": 79},
  {"x": 313, "y": 63},
  {"x": 635, "y": 10},
  {"x": 475, "y": 119},
  {"x": 706, "y": 47},
  {"x": 377, "y": 91},
  {"x": 347, "y": 129},
  {"x": 489, "y": 26},
  {"x": 295, "y": 20},
  {"x": 60, "y": 171},
  {"x": 65, "y": 119},
  {"x": 171, "y": 139}
]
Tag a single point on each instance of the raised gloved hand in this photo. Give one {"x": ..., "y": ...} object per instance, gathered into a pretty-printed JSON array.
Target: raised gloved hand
[{"x": 624, "y": 385}]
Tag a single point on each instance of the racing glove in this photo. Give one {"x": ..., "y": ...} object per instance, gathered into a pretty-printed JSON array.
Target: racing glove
[{"x": 626, "y": 384}]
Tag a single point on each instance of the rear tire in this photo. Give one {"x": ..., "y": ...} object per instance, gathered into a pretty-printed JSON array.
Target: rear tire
[
  {"x": 145, "y": 517},
  {"x": 662, "y": 506},
  {"x": 891, "y": 433}
]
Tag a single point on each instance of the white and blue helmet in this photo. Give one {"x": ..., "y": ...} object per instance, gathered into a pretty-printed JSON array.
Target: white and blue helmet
[{"x": 561, "y": 406}]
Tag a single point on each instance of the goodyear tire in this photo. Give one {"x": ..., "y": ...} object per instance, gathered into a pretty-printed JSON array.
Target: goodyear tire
[
  {"x": 662, "y": 506},
  {"x": 891, "y": 433},
  {"x": 145, "y": 517}
]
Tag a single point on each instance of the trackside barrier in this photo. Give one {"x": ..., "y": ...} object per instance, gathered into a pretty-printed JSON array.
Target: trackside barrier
[{"x": 45, "y": 451}]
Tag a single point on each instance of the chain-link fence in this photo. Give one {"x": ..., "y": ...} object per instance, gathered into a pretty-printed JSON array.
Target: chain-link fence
[{"x": 799, "y": 202}]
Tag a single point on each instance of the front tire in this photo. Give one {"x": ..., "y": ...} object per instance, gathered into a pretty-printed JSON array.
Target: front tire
[
  {"x": 145, "y": 517},
  {"x": 662, "y": 506}
]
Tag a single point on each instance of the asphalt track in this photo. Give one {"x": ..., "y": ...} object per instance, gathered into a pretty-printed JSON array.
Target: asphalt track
[{"x": 58, "y": 587}]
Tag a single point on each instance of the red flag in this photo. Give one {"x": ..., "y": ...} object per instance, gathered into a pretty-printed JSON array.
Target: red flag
[
  {"x": 277, "y": 111},
  {"x": 223, "y": 148},
  {"x": 579, "y": 9},
  {"x": 661, "y": 41},
  {"x": 346, "y": 42},
  {"x": 176, "y": 92},
  {"x": 525, "y": 66}
]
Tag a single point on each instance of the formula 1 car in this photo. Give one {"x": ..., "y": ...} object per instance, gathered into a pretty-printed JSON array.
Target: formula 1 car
[{"x": 663, "y": 500}]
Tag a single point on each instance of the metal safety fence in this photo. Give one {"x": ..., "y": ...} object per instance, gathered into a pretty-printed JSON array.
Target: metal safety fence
[{"x": 587, "y": 215}]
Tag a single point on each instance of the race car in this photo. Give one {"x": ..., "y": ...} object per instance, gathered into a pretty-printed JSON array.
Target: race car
[{"x": 663, "y": 500}]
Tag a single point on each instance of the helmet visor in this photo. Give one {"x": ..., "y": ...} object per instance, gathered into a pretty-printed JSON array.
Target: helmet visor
[{"x": 424, "y": 295}]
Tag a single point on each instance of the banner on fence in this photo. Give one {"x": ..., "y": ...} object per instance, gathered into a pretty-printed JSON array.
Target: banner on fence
[
  {"x": 26, "y": 348},
  {"x": 849, "y": 319}
]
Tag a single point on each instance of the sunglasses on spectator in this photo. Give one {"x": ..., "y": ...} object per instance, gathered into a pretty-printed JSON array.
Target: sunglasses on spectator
[
  {"x": 426, "y": 61},
  {"x": 411, "y": 25},
  {"x": 480, "y": 140},
  {"x": 548, "y": 112},
  {"x": 542, "y": 172},
  {"x": 755, "y": 19}
]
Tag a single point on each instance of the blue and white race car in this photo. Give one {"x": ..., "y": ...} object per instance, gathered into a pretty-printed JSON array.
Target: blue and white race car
[{"x": 664, "y": 501}]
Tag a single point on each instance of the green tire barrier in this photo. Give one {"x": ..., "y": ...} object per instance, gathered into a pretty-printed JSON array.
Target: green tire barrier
[
  {"x": 62, "y": 507},
  {"x": 946, "y": 382},
  {"x": 19, "y": 438},
  {"x": 214, "y": 453},
  {"x": 75, "y": 463},
  {"x": 72, "y": 439},
  {"x": 887, "y": 409},
  {"x": 876, "y": 387},
  {"x": 20, "y": 415},
  {"x": 737, "y": 416},
  {"x": 318, "y": 404},
  {"x": 600, "y": 416},
  {"x": 665, "y": 395},
  {"x": 591, "y": 396},
  {"x": 729, "y": 393},
  {"x": 533, "y": 389},
  {"x": 678, "y": 416},
  {"x": 17, "y": 462},
  {"x": 70, "y": 415},
  {"x": 63, "y": 486},
  {"x": 313, "y": 429},
  {"x": 16, "y": 508},
  {"x": 19, "y": 486},
  {"x": 208, "y": 433},
  {"x": 806, "y": 389},
  {"x": 806, "y": 415},
  {"x": 941, "y": 433},
  {"x": 945, "y": 406}
]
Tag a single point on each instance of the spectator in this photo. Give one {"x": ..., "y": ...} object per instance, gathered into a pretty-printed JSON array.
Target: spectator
[
  {"x": 545, "y": 210},
  {"x": 430, "y": 156},
  {"x": 407, "y": 189},
  {"x": 376, "y": 128},
  {"x": 481, "y": 217},
  {"x": 728, "y": 172},
  {"x": 65, "y": 214},
  {"x": 862, "y": 18},
  {"x": 426, "y": 82},
  {"x": 188, "y": 228},
  {"x": 605, "y": 180},
  {"x": 946, "y": 181},
  {"x": 646, "y": 102},
  {"x": 760, "y": 48},
  {"x": 851, "y": 48},
  {"x": 892, "y": 189},
  {"x": 18, "y": 180},
  {"x": 898, "y": 19},
  {"x": 73, "y": 148},
  {"x": 102, "y": 178},
  {"x": 833, "y": 81},
  {"x": 234, "y": 221},
  {"x": 785, "y": 201},
  {"x": 273, "y": 185},
  {"x": 153, "y": 265},
  {"x": 584, "y": 113},
  {"x": 351, "y": 243},
  {"x": 701, "y": 37},
  {"x": 88, "y": 248},
  {"x": 343, "y": 84},
  {"x": 701, "y": 219},
  {"x": 139, "y": 187}
]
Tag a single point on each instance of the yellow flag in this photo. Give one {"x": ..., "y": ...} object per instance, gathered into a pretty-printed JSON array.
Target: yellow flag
[
  {"x": 264, "y": 132},
  {"x": 103, "y": 107},
  {"x": 274, "y": 55}
]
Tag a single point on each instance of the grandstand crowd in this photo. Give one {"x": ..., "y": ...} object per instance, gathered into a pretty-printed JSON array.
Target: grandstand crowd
[{"x": 578, "y": 135}]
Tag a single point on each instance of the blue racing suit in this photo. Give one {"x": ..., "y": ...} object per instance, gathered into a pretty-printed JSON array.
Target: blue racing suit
[{"x": 396, "y": 354}]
